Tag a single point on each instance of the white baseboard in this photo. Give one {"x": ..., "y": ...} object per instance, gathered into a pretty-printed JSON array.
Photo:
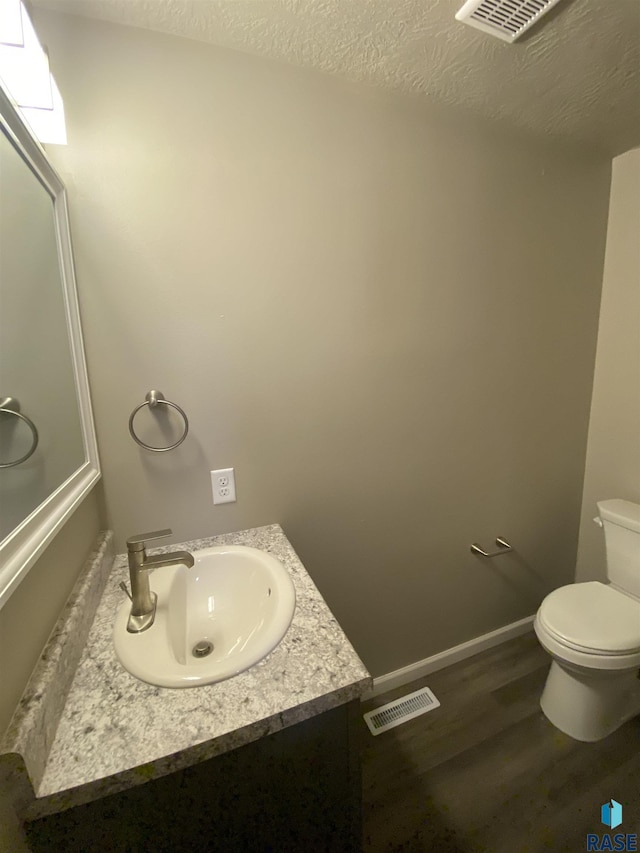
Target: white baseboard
[{"x": 416, "y": 670}]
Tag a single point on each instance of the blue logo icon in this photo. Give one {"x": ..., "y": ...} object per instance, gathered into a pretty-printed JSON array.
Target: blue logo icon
[{"x": 611, "y": 814}]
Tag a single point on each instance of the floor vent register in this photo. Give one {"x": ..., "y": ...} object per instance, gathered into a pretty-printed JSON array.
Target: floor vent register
[{"x": 400, "y": 710}]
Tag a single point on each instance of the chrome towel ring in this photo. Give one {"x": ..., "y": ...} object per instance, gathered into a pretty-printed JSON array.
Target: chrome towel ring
[
  {"x": 11, "y": 406},
  {"x": 153, "y": 399}
]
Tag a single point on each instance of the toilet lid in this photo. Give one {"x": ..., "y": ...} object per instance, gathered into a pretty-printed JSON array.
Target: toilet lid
[{"x": 593, "y": 616}]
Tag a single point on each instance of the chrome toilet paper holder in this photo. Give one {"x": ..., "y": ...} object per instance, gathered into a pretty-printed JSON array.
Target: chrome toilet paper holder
[{"x": 501, "y": 542}]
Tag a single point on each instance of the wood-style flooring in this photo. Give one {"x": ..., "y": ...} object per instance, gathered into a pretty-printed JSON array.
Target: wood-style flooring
[{"x": 486, "y": 772}]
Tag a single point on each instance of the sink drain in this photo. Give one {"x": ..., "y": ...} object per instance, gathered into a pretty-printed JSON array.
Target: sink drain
[{"x": 202, "y": 649}]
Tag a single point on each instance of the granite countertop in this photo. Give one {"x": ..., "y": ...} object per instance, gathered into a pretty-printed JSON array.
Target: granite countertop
[{"x": 116, "y": 731}]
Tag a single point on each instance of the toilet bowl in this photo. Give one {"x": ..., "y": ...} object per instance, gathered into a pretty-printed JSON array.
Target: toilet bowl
[{"x": 592, "y": 632}]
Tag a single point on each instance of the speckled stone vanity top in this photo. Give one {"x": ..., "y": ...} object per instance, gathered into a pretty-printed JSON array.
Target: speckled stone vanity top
[{"x": 115, "y": 731}]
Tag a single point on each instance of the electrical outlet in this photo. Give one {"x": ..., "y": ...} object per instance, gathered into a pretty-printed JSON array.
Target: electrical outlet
[{"x": 223, "y": 484}]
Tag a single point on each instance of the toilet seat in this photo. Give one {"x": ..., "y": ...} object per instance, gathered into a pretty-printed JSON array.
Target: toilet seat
[
  {"x": 573, "y": 621},
  {"x": 592, "y": 618}
]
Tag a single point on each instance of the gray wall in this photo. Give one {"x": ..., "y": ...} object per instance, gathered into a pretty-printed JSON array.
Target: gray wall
[
  {"x": 382, "y": 315},
  {"x": 12, "y": 837},
  {"x": 613, "y": 454}
]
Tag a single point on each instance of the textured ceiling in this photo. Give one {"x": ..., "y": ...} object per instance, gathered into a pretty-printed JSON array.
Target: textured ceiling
[{"x": 575, "y": 75}]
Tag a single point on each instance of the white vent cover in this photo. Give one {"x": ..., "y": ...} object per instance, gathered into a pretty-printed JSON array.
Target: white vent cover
[
  {"x": 505, "y": 19},
  {"x": 400, "y": 710}
]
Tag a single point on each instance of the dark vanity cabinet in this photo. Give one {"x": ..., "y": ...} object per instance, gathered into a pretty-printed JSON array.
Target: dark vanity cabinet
[{"x": 296, "y": 790}]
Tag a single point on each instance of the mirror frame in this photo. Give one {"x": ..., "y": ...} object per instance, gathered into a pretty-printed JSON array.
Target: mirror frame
[{"x": 22, "y": 547}]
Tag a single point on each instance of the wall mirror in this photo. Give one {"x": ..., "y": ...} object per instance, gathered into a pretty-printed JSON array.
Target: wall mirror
[{"x": 48, "y": 451}]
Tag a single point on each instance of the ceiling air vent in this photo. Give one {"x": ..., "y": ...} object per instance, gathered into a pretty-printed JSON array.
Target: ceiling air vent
[{"x": 505, "y": 19}]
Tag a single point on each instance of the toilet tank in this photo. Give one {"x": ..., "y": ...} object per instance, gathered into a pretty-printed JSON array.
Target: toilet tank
[{"x": 621, "y": 523}]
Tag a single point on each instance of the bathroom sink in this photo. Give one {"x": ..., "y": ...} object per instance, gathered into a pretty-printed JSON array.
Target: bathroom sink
[{"x": 214, "y": 620}]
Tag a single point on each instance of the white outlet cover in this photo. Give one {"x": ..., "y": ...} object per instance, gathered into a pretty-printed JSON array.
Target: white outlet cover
[{"x": 223, "y": 485}]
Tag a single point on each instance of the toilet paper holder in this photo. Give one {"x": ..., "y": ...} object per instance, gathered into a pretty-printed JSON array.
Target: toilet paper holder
[{"x": 501, "y": 542}]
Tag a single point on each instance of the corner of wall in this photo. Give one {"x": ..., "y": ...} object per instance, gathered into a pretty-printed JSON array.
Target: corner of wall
[{"x": 612, "y": 465}]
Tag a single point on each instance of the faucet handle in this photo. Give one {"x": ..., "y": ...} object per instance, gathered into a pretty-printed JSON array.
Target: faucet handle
[{"x": 137, "y": 542}]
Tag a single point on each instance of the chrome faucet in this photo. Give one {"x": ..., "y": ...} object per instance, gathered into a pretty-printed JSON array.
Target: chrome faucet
[{"x": 143, "y": 601}]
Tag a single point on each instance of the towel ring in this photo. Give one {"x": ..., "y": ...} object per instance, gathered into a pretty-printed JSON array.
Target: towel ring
[
  {"x": 11, "y": 406},
  {"x": 153, "y": 399}
]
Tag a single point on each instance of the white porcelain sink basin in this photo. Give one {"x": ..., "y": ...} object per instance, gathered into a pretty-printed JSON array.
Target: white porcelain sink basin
[{"x": 232, "y": 607}]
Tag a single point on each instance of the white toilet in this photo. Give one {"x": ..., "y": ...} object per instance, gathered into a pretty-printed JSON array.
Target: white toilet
[{"x": 592, "y": 631}]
